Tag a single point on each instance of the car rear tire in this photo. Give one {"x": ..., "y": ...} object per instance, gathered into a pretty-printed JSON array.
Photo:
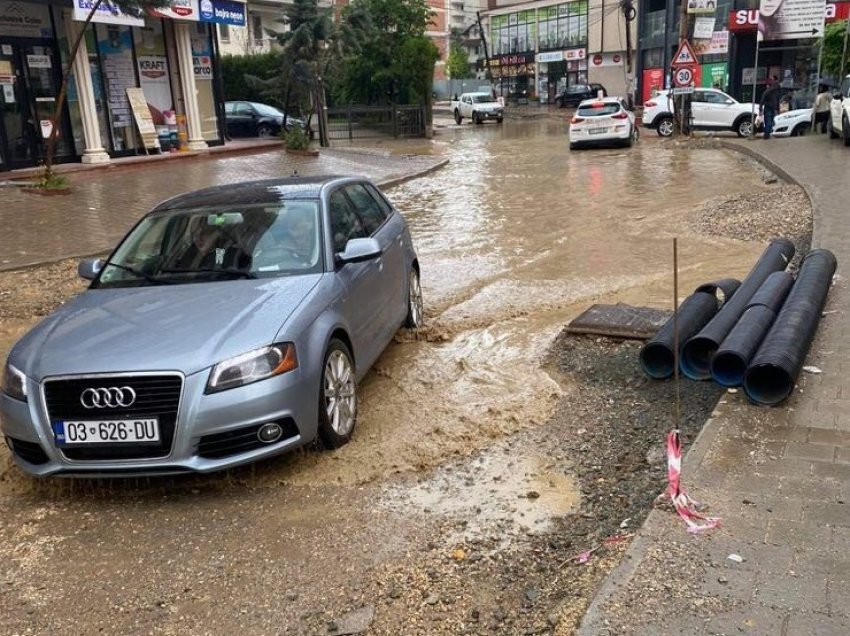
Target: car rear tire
[
  {"x": 830, "y": 129},
  {"x": 264, "y": 131},
  {"x": 744, "y": 127},
  {"x": 665, "y": 127},
  {"x": 415, "y": 312},
  {"x": 559, "y": 103},
  {"x": 337, "y": 396},
  {"x": 458, "y": 118}
]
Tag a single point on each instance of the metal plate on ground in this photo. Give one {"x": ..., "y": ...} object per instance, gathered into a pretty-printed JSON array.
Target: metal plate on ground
[{"x": 620, "y": 321}]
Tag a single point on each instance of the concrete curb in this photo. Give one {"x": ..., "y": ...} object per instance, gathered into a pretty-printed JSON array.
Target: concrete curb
[{"x": 389, "y": 183}]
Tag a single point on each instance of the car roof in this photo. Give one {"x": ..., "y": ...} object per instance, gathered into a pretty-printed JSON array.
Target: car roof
[
  {"x": 261, "y": 191},
  {"x": 606, "y": 100}
]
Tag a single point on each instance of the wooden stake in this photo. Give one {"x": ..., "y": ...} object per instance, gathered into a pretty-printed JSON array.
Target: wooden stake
[{"x": 678, "y": 412}]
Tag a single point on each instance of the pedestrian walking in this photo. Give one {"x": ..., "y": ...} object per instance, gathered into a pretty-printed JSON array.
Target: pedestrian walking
[
  {"x": 770, "y": 105},
  {"x": 822, "y": 106}
]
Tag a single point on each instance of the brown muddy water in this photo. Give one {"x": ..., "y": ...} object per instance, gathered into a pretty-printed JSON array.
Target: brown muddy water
[{"x": 515, "y": 236}]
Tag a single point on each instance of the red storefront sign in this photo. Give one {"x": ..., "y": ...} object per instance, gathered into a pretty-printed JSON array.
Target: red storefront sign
[{"x": 748, "y": 19}]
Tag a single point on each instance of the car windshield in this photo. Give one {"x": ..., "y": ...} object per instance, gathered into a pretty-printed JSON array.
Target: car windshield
[
  {"x": 597, "y": 109},
  {"x": 219, "y": 243},
  {"x": 482, "y": 99},
  {"x": 267, "y": 111},
  {"x": 578, "y": 88}
]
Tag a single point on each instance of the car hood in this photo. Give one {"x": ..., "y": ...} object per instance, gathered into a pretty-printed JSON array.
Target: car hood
[
  {"x": 167, "y": 327},
  {"x": 799, "y": 112}
]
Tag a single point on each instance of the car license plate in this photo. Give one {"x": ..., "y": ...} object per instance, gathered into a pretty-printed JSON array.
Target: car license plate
[
  {"x": 142, "y": 431},
  {"x": 597, "y": 131}
]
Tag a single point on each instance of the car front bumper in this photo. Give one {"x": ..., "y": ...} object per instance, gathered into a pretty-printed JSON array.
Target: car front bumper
[{"x": 212, "y": 431}]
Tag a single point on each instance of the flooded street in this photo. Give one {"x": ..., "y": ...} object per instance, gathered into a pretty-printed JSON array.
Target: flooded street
[{"x": 429, "y": 514}]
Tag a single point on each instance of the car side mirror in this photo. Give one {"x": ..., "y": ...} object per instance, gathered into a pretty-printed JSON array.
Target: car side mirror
[
  {"x": 359, "y": 250},
  {"x": 729, "y": 102},
  {"x": 90, "y": 268}
]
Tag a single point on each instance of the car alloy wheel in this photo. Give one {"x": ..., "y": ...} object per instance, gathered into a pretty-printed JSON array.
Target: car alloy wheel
[
  {"x": 264, "y": 131},
  {"x": 338, "y": 396},
  {"x": 665, "y": 127},
  {"x": 744, "y": 128},
  {"x": 415, "y": 313}
]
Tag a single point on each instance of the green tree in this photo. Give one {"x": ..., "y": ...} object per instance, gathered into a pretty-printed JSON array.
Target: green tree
[
  {"x": 835, "y": 59},
  {"x": 392, "y": 37},
  {"x": 130, "y": 7},
  {"x": 457, "y": 64}
]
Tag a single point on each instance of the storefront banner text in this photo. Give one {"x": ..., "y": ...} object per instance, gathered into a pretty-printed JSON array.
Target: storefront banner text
[
  {"x": 203, "y": 67},
  {"x": 551, "y": 56},
  {"x": 223, "y": 12},
  {"x": 717, "y": 45},
  {"x": 791, "y": 19},
  {"x": 106, "y": 14},
  {"x": 179, "y": 10},
  {"x": 748, "y": 19},
  {"x": 607, "y": 59},
  {"x": 25, "y": 20},
  {"x": 575, "y": 54}
]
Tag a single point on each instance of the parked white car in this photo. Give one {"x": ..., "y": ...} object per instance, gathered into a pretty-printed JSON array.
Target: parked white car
[
  {"x": 712, "y": 109},
  {"x": 794, "y": 123},
  {"x": 839, "y": 113},
  {"x": 478, "y": 107},
  {"x": 602, "y": 121}
]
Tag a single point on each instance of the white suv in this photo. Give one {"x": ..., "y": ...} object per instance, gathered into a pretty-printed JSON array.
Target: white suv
[
  {"x": 839, "y": 113},
  {"x": 712, "y": 110}
]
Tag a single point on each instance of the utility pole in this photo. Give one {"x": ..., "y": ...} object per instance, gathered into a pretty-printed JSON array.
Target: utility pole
[
  {"x": 629, "y": 14},
  {"x": 684, "y": 102},
  {"x": 844, "y": 51},
  {"x": 489, "y": 74}
]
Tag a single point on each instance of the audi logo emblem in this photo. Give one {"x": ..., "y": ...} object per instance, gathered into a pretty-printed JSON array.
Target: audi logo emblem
[{"x": 109, "y": 397}]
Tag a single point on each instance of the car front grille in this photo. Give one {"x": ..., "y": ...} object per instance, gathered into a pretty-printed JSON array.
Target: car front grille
[
  {"x": 241, "y": 440},
  {"x": 156, "y": 396},
  {"x": 30, "y": 452}
]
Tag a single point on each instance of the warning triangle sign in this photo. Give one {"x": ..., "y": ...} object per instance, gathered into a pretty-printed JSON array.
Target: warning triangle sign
[{"x": 685, "y": 55}]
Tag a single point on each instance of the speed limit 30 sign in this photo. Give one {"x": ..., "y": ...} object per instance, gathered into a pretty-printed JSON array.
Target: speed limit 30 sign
[{"x": 683, "y": 76}]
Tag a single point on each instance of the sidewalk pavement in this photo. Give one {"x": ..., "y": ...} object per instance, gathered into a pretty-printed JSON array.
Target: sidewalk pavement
[
  {"x": 104, "y": 205},
  {"x": 779, "y": 478}
]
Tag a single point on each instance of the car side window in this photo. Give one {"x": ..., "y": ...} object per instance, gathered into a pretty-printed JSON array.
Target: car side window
[
  {"x": 244, "y": 109},
  {"x": 345, "y": 224},
  {"x": 700, "y": 96},
  {"x": 715, "y": 98},
  {"x": 367, "y": 208},
  {"x": 229, "y": 108},
  {"x": 382, "y": 202}
]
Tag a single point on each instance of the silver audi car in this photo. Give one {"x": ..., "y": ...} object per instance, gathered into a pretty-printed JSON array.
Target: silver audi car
[{"x": 232, "y": 323}]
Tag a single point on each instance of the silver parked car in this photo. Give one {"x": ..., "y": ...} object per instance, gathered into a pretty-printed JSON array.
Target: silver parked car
[{"x": 232, "y": 323}]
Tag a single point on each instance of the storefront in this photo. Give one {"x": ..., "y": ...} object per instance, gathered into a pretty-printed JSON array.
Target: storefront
[{"x": 170, "y": 56}]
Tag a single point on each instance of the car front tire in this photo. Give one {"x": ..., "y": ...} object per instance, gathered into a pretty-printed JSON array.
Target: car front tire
[
  {"x": 665, "y": 127},
  {"x": 744, "y": 127},
  {"x": 458, "y": 118},
  {"x": 476, "y": 118},
  {"x": 559, "y": 103},
  {"x": 337, "y": 396}
]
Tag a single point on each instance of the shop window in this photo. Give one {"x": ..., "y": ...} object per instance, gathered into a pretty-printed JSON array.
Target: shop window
[
  {"x": 202, "y": 63},
  {"x": 653, "y": 58},
  {"x": 154, "y": 75},
  {"x": 115, "y": 44},
  {"x": 224, "y": 32},
  {"x": 257, "y": 29}
]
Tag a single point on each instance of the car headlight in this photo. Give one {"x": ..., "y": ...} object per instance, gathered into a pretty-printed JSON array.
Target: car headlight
[
  {"x": 253, "y": 366},
  {"x": 15, "y": 383}
]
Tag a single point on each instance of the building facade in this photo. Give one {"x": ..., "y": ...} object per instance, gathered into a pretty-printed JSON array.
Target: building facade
[
  {"x": 538, "y": 49},
  {"x": 165, "y": 61}
]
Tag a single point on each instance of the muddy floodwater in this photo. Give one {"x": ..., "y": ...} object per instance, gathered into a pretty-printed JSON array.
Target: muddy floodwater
[{"x": 516, "y": 236}]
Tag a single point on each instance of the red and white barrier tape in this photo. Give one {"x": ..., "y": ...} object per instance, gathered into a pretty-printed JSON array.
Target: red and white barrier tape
[{"x": 685, "y": 506}]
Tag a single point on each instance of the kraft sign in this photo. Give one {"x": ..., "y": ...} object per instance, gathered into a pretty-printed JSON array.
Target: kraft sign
[{"x": 748, "y": 19}]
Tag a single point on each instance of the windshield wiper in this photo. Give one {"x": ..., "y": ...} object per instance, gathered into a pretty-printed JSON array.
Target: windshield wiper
[
  {"x": 197, "y": 270},
  {"x": 139, "y": 273}
]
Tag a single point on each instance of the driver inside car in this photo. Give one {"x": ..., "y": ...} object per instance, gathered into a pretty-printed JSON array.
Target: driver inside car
[{"x": 300, "y": 237}]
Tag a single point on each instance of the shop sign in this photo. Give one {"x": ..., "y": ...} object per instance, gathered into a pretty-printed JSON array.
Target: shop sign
[
  {"x": 152, "y": 67},
  {"x": 39, "y": 61},
  {"x": 522, "y": 58},
  {"x": 551, "y": 56},
  {"x": 701, "y": 6},
  {"x": 703, "y": 27},
  {"x": 717, "y": 45},
  {"x": 179, "y": 10},
  {"x": 106, "y": 13},
  {"x": 203, "y": 67},
  {"x": 791, "y": 19},
  {"x": 748, "y": 19},
  {"x": 25, "y": 20},
  {"x": 607, "y": 59},
  {"x": 223, "y": 12},
  {"x": 575, "y": 54}
]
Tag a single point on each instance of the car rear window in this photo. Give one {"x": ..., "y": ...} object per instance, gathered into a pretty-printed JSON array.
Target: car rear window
[{"x": 598, "y": 109}]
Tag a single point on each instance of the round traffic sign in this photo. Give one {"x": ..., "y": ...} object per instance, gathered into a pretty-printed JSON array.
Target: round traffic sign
[{"x": 683, "y": 76}]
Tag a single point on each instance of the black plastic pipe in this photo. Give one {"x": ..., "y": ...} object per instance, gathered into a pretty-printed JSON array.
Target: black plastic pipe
[
  {"x": 657, "y": 356},
  {"x": 732, "y": 358},
  {"x": 771, "y": 376},
  {"x": 695, "y": 361},
  {"x": 721, "y": 289}
]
